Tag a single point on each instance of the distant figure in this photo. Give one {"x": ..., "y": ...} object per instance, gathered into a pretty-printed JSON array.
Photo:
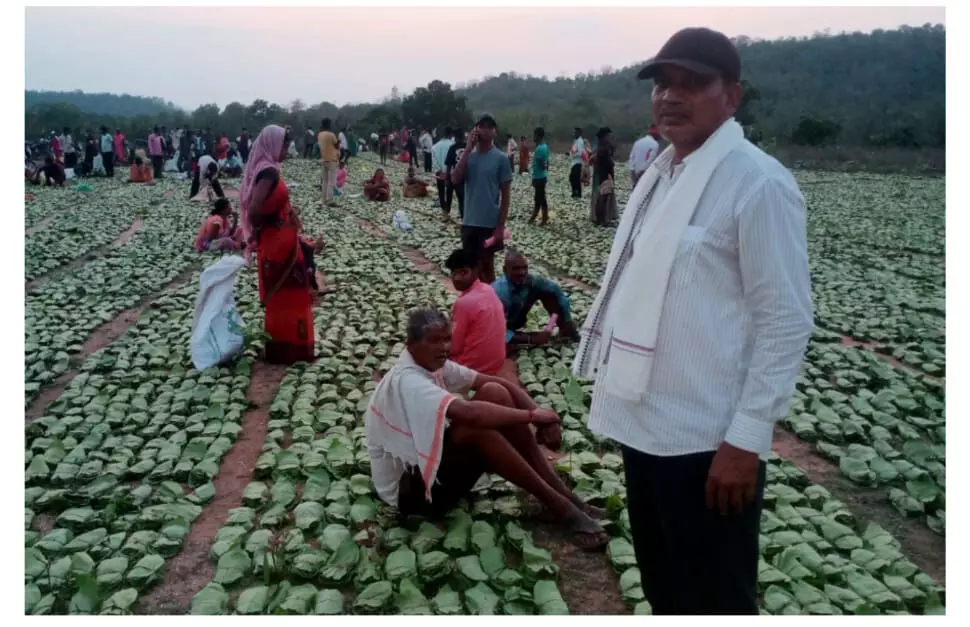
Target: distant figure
[
  {"x": 245, "y": 144},
  {"x": 540, "y": 176},
  {"x": 119, "y": 146},
  {"x": 510, "y": 148},
  {"x": 53, "y": 173},
  {"x": 222, "y": 148},
  {"x": 383, "y": 146},
  {"x": 603, "y": 196},
  {"x": 56, "y": 148},
  {"x": 156, "y": 152},
  {"x": 233, "y": 167},
  {"x": 70, "y": 149},
  {"x": 455, "y": 151},
  {"x": 411, "y": 146},
  {"x": 309, "y": 140},
  {"x": 344, "y": 146},
  {"x": 576, "y": 163},
  {"x": 644, "y": 151},
  {"x": 426, "y": 146},
  {"x": 439, "y": 153},
  {"x": 523, "y": 155},
  {"x": 90, "y": 152},
  {"x": 377, "y": 188},
  {"x": 139, "y": 172},
  {"x": 330, "y": 158},
  {"x": 413, "y": 186},
  {"x": 107, "y": 152}
]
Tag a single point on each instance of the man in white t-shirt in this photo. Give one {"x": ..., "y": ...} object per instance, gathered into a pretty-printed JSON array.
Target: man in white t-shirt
[
  {"x": 428, "y": 445},
  {"x": 644, "y": 151}
]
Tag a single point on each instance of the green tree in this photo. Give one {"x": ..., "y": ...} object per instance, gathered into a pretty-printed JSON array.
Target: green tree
[{"x": 436, "y": 105}]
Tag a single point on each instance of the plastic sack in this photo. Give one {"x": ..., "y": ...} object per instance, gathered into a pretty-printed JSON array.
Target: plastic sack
[
  {"x": 217, "y": 331},
  {"x": 401, "y": 220},
  {"x": 83, "y": 187}
]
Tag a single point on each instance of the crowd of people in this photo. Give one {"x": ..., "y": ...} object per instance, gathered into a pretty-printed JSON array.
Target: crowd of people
[{"x": 693, "y": 342}]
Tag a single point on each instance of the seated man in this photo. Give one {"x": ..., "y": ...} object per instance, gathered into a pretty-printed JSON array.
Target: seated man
[
  {"x": 519, "y": 291},
  {"x": 429, "y": 446},
  {"x": 140, "y": 172},
  {"x": 377, "y": 188},
  {"x": 413, "y": 186},
  {"x": 233, "y": 167},
  {"x": 478, "y": 336}
]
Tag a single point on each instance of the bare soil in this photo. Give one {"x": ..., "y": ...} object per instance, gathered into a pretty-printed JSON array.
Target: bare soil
[
  {"x": 100, "y": 337},
  {"x": 925, "y": 548},
  {"x": 89, "y": 256},
  {"x": 190, "y": 570}
]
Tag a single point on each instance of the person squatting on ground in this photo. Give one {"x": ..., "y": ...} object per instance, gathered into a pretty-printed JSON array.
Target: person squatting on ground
[
  {"x": 691, "y": 384},
  {"x": 219, "y": 231},
  {"x": 478, "y": 318},
  {"x": 140, "y": 172},
  {"x": 428, "y": 445},
  {"x": 413, "y": 187},
  {"x": 377, "y": 188},
  {"x": 487, "y": 177},
  {"x": 519, "y": 291}
]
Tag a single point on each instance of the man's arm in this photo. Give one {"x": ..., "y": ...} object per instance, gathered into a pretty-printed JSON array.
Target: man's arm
[
  {"x": 458, "y": 174},
  {"x": 520, "y": 397},
  {"x": 493, "y": 416}
]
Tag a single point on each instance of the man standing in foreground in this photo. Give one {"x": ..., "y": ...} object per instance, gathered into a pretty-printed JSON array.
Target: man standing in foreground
[
  {"x": 644, "y": 151},
  {"x": 576, "y": 153},
  {"x": 697, "y": 336},
  {"x": 484, "y": 171},
  {"x": 329, "y": 159},
  {"x": 439, "y": 152}
]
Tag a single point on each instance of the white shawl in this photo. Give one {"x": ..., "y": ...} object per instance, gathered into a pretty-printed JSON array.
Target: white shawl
[{"x": 629, "y": 320}]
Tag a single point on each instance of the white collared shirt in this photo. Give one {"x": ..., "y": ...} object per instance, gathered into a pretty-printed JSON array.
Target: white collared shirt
[
  {"x": 644, "y": 151},
  {"x": 736, "y": 320}
]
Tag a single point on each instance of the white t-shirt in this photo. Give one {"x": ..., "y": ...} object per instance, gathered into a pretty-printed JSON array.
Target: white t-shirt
[
  {"x": 421, "y": 393},
  {"x": 511, "y": 147},
  {"x": 644, "y": 151},
  {"x": 343, "y": 141},
  {"x": 204, "y": 162}
]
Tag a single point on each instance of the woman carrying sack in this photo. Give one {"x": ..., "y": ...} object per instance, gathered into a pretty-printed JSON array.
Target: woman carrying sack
[{"x": 272, "y": 229}]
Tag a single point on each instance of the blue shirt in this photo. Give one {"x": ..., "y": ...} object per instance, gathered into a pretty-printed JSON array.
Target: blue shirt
[
  {"x": 516, "y": 296},
  {"x": 540, "y": 162},
  {"x": 485, "y": 173}
]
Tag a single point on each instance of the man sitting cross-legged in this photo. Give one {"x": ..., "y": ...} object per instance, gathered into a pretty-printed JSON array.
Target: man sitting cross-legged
[
  {"x": 519, "y": 291},
  {"x": 429, "y": 445}
]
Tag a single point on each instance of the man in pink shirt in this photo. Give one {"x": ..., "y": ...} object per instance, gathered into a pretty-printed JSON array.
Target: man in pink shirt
[
  {"x": 478, "y": 319},
  {"x": 156, "y": 152}
]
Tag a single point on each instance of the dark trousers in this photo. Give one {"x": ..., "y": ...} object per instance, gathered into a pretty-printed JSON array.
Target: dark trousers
[
  {"x": 541, "y": 204},
  {"x": 413, "y": 157},
  {"x": 445, "y": 191},
  {"x": 512, "y": 163},
  {"x": 70, "y": 160},
  {"x": 576, "y": 180},
  {"x": 692, "y": 559},
  {"x": 460, "y": 195},
  {"x": 197, "y": 183},
  {"x": 108, "y": 159},
  {"x": 158, "y": 166},
  {"x": 344, "y": 155},
  {"x": 88, "y": 165},
  {"x": 244, "y": 154},
  {"x": 383, "y": 154},
  {"x": 308, "y": 150},
  {"x": 427, "y": 162},
  {"x": 310, "y": 264}
]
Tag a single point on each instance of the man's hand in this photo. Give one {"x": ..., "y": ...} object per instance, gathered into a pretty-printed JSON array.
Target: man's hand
[
  {"x": 549, "y": 436},
  {"x": 541, "y": 338},
  {"x": 732, "y": 479},
  {"x": 543, "y": 416},
  {"x": 499, "y": 235}
]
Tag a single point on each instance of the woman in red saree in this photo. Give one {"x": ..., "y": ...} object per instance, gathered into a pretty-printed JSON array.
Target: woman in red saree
[
  {"x": 119, "y": 143},
  {"x": 272, "y": 230},
  {"x": 523, "y": 155}
]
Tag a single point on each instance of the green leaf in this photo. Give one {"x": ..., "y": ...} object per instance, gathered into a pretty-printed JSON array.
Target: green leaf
[
  {"x": 434, "y": 565},
  {"x": 341, "y": 564},
  {"x": 308, "y": 514},
  {"x": 120, "y": 603},
  {"x": 447, "y": 602},
  {"x": 211, "y": 600},
  {"x": 409, "y": 601},
  {"x": 146, "y": 571},
  {"x": 621, "y": 554},
  {"x": 232, "y": 566},
  {"x": 298, "y": 600},
  {"x": 252, "y": 600},
  {"x": 481, "y": 600},
  {"x": 427, "y": 538},
  {"x": 547, "y": 598},
  {"x": 482, "y": 535},
  {"x": 374, "y": 598}
]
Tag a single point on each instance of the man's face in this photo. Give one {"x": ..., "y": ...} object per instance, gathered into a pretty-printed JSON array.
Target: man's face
[
  {"x": 463, "y": 278},
  {"x": 517, "y": 270},
  {"x": 689, "y": 107},
  {"x": 432, "y": 352},
  {"x": 486, "y": 133}
]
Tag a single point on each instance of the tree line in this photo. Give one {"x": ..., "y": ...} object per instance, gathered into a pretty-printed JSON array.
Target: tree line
[{"x": 885, "y": 88}]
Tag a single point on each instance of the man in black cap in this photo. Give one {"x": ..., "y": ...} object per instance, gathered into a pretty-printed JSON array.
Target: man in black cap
[
  {"x": 485, "y": 172},
  {"x": 699, "y": 333}
]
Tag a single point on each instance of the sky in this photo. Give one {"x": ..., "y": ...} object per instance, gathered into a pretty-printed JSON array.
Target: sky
[{"x": 198, "y": 55}]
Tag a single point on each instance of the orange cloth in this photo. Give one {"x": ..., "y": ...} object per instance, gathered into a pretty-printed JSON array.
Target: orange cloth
[
  {"x": 140, "y": 173},
  {"x": 289, "y": 318},
  {"x": 523, "y": 158},
  {"x": 214, "y": 227},
  {"x": 478, "y": 330}
]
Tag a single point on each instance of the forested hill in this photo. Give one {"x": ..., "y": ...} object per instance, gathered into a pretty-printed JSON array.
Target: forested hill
[
  {"x": 884, "y": 87},
  {"x": 101, "y": 104}
]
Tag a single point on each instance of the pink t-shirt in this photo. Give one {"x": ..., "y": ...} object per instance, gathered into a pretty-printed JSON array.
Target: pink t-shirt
[
  {"x": 341, "y": 177},
  {"x": 478, "y": 333},
  {"x": 154, "y": 145}
]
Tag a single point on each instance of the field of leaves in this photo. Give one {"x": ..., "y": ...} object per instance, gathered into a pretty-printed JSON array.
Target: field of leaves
[{"x": 153, "y": 488}]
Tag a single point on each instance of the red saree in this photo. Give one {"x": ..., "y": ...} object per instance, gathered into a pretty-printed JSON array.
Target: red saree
[{"x": 284, "y": 285}]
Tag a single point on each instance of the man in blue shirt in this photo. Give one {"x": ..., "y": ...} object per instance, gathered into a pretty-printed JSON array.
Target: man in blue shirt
[
  {"x": 484, "y": 171},
  {"x": 519, "y": 291},
  {"x": 540, "y": 174}
]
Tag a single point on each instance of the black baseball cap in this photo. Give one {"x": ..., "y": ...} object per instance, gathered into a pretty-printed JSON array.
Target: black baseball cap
[
  {"x": 699, "y": 50},
  {"x": 487, "y": 120}
]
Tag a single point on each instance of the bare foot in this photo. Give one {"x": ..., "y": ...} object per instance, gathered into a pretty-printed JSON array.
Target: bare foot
[{"x": 587, "y": 533}]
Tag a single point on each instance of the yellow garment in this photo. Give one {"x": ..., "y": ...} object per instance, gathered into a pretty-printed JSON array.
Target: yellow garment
[{"x": 329, "y": 149}]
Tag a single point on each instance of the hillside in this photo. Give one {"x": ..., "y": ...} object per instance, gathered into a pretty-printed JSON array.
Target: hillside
[
  {"x": 103, "y": 104},
  {"x": 879, "y": 87}
]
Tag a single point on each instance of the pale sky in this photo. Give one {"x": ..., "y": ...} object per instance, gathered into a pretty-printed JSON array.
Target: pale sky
[{"x": 196, "y": 55}]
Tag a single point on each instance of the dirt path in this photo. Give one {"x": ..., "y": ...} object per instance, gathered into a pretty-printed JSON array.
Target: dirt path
[
  {"x": 43, "y": 224},
  {"x": 190, "y": 570},
  {"x": 925, "y": 548},
  {"x": 91, "y": 255},
  {"x": 99, "y": 338}
]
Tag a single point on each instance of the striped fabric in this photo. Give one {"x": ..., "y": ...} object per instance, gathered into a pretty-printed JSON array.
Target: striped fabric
[{"x": 736, "y": 319}]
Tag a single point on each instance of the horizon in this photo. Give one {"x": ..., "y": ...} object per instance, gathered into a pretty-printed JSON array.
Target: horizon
[{"x": 367, "y": 73}]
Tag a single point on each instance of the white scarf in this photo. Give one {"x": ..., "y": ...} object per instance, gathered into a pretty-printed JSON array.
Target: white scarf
[
  {"x": 406, "y": 417},
  {"x": 629, "y": 323}
]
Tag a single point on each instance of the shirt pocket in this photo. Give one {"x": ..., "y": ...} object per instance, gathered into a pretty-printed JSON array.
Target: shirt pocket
[{"x": 699, "y": 247}]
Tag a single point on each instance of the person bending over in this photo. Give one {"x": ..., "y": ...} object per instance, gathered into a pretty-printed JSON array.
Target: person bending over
[
  {"x": 207, "y": 172},
  {"x": 519, "y": 290},
  {"x": 377, "y": 188},
  {"x": 428, "y": 445},
  {"x": 478, "y": 336},
  {"x": 413, "y": 186}
]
